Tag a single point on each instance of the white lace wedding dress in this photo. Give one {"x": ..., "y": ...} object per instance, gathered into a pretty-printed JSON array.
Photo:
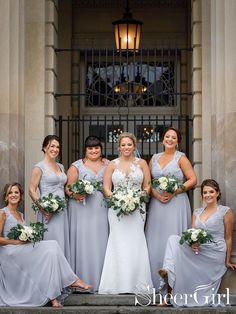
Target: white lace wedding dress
[{"x": 126, "y": 267}]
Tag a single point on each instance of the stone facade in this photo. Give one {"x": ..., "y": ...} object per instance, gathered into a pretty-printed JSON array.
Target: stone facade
[{"x": 29, "y": 32}]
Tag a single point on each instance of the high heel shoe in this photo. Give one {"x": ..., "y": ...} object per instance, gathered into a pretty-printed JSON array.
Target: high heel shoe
[
  {"x": 81, "y": 286},
  {"x": 163, "y": 273}
]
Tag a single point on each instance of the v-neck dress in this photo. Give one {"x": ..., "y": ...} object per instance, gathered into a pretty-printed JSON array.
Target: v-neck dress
[
  {"x": 58, "y": 228},
  {"x": 200, "y": 274},
  {"x": 126, "y": 267},
  {"x": 166, "y": 219},
  {"x": 31, "y": 275},
  {"x": 88, "y": 229}
]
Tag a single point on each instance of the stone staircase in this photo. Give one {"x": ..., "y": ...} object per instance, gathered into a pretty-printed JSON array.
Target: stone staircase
[{"x": 113, "y": 304}]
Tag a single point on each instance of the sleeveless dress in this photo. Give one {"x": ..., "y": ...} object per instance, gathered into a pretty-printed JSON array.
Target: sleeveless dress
[
  {"x": 126, "y": 267},
  {"x": 204, "y": 270},
  {"x": 57, "y": 226},
  {"x": 89, "y": 229},
  {"x": 31, "y": 275},
  {"x": 166, "y": 219}
]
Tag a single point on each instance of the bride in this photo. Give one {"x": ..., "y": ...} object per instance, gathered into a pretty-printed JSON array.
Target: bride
[{"x": 126, "y": 266}]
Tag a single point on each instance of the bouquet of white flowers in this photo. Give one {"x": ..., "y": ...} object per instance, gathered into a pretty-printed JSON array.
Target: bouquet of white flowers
[
  {"x": 125, "y": 200},
  {"x": 192, "y": 236},
  {"x": 166, "y": 184},
  {"x": 82, "y": 187},
  {"x": 50, "y": 204},
  {"x": 32, "y": 233}
]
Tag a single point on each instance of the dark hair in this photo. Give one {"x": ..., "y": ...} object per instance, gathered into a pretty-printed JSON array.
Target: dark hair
[
  {"x": 92, "y": 141},
  {"x": 8, "y": 188},
  {"x": 213, "y": 184},
  {"x": 48, "y": 139},
  {"x": 179, "y": 136}
]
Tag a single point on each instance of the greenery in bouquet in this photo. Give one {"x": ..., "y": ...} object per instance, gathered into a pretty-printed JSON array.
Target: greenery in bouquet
[
  {"x": 166, "y": 183},
  {"x": 50, "y": 204},
  {"x": 192, "y": 236},
  {"x": 98, "y": 186},
  {"x": 82, "y": 187},
  {"x": 125, "y": 200},
  {"x": 32, "y": 233}
]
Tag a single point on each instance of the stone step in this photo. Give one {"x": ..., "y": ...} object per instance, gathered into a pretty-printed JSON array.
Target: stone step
[
  {"x": 83, "y": 299},
  {"x": 99, "y": 300},
  {"x": 113, "y": 304},
  {"x": 116, "y": 310}
]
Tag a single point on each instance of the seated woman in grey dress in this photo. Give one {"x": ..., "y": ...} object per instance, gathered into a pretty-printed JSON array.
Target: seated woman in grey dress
[
  {"x": 194, "y": 272},
  {"x": 30, "y": 275}
]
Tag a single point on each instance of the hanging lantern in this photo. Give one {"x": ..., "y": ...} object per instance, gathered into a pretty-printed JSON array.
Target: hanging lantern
[{"x": 127, "y": 32}]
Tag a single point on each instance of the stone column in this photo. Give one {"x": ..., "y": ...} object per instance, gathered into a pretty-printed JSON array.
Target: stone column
[
  {"x": 197, "y": 95},
  {"x": 219, "y": 105},
  {"x": 11, "y": 91},
  {"x": 34, "y": 89},
  {"x": 51, "y": 29}
]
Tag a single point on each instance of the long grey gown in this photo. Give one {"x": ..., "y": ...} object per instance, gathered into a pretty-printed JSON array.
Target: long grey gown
[
  {"x": 166, "y": 219},
  {"x": 198, "y": 276},
  {"x": 31, "y": 275},
  {"x": 88, "y": 229},
  {"x": 58, "y": 228}
]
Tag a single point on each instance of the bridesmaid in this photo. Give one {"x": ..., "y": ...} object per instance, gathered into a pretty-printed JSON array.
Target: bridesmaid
[
  {"x": 168, "y": 213},
  {"x": 30, "y": 275},
  {"x": 49, "y": 177},
  {"x": 88, "y": 222},
  {"x": 206, "y": 267}
]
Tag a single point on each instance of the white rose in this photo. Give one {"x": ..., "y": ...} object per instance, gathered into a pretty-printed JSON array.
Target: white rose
[
  {"x": 163, "y": 185},
  {"x": 55, "y": 206},
  {"x": 23, "y": 236},
  {"x": 162, "y": 180},
  {"x": 204, "y": 233},
  {"x": 89, "y": 189},
  {"x": 191, "y": 230},
  {"x": 86, "y": 182},
  {"x": 45, "y": 204},
  {"x": 194, "y": 237}
]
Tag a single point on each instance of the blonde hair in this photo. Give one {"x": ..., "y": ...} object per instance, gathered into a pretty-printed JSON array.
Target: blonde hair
[{"x": 129, "y": 135}]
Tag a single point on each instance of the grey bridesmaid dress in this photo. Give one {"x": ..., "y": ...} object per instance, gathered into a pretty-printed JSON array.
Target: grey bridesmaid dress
[
  {"x": 166, "y": 219},
  {"x": 58, "y": 228},
  {"x": 197, "y": 276},
  {"x": 88, "y": 229},
  {"x": 31, "y": 275}
]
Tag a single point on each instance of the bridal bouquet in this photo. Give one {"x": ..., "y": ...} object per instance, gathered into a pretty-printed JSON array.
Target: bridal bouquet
[
  {"x": 82, "y": 187},
  {"x": 125, "y": 200},
  {"x": 32, "y": 233},
  {"x": 50, "y": 204},
  {"x": 166, "y": 183},
  {"x": 192, "y": 236}
]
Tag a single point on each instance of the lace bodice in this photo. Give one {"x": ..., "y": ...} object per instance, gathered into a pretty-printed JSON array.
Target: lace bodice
[
  {"x": 50, "y": 181},
  {"x": 88, "y": 174},
  {"x": 214, "y": 224},
  {"x": 134, "y": 177},
  {"x": 172, "y": 168},
  {"x": 10, "y": 221}
]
